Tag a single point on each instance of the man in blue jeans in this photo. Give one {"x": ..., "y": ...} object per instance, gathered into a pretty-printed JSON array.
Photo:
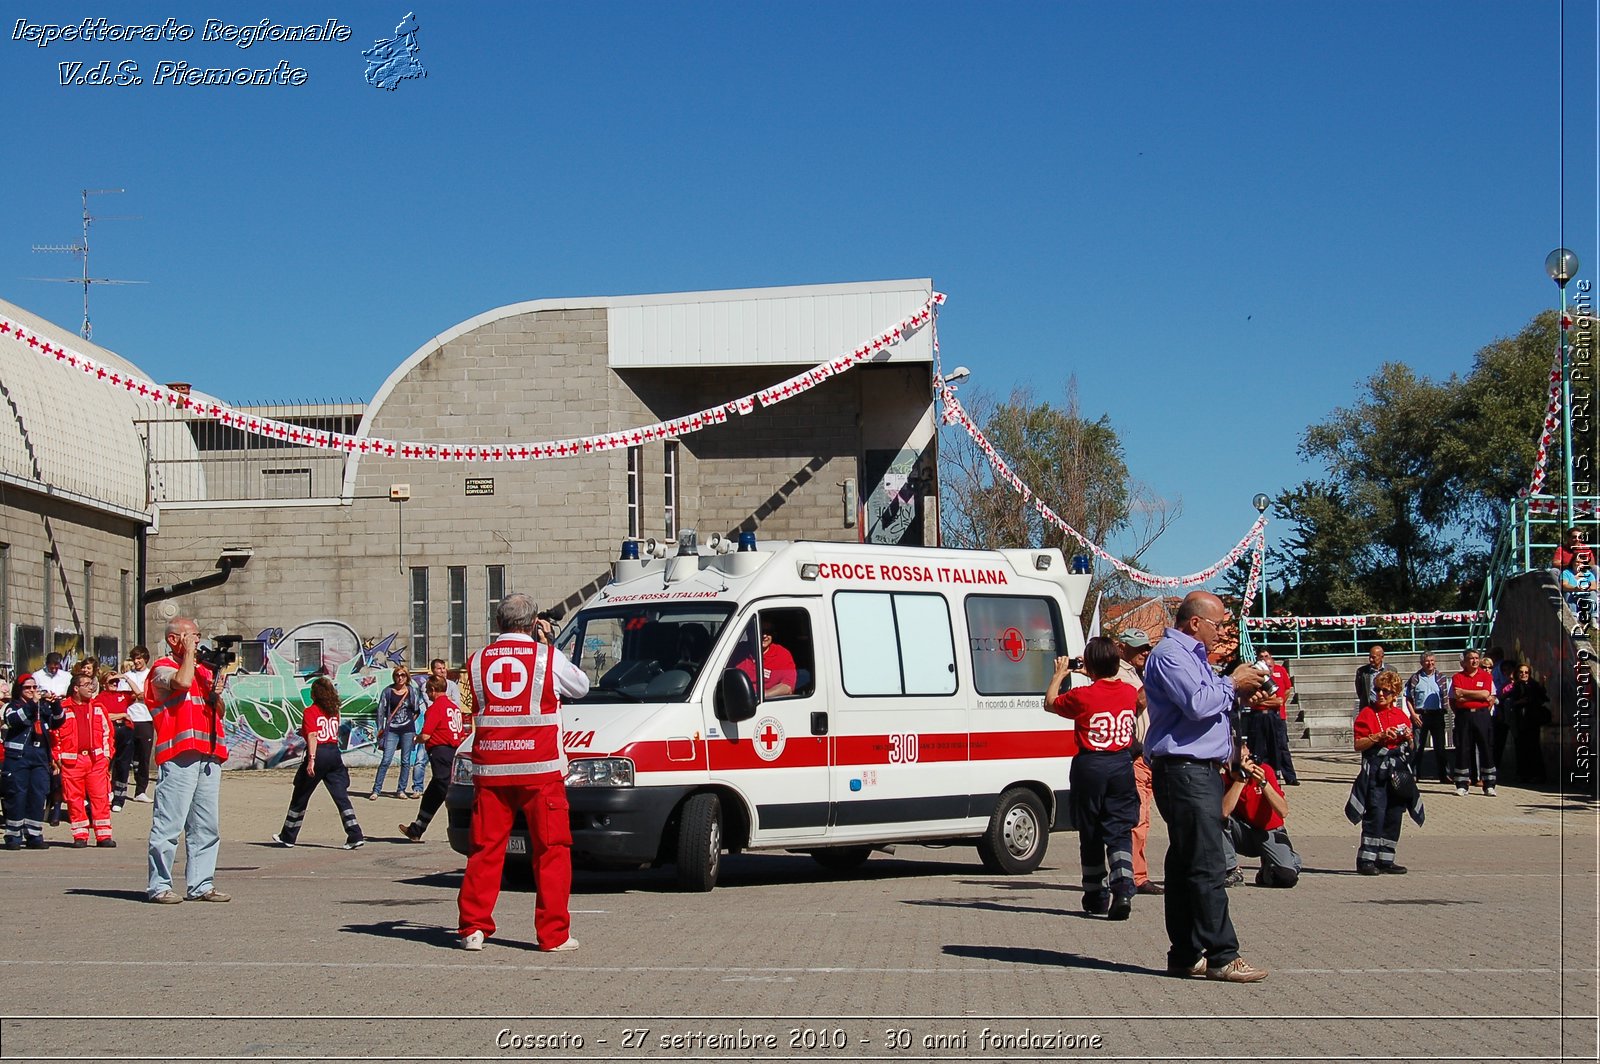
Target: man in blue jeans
[{"x": 1189, "y": 742}]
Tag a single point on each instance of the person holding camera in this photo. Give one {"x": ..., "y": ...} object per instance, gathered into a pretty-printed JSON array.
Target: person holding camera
[
  {"x": 1385, "y": 788},
  {"x": 518, "y": 682},
  {"x": 1253, "y": 811},
  {"x": 1189, "y": 742},
  {"x": 186, "y": 704},
  {"x": 30, "y": 721},
  {"x": 1105, "y": 801}
]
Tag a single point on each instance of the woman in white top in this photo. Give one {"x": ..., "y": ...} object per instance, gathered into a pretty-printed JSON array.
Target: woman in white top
[{"x": 144, "y": 730}]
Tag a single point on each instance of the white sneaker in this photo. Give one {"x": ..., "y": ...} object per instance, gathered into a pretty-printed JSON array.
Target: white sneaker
[
  {"x": 473, "y": 941},
  {"x": 569, "y": 944},
  {"x": 1489, "y": 792},
  {"x": 355, "y": 844},
  {"x": 280, "y": 842},
  {"x": 143, "y": 797},
  {"x": 1461, "y": 792}
]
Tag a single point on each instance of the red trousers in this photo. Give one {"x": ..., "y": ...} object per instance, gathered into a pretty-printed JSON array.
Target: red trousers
[
  {"x": 1141, "y": 830},
  {"x": 91, "y": 776},
  {"x": 544, "y": 807}
]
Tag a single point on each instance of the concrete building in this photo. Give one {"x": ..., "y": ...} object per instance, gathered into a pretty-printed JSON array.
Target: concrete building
[{"x": 407, "y": 557}]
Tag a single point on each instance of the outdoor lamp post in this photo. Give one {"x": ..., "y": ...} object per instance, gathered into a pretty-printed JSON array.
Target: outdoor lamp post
[
  {"x": 1260, "y": 502},
  {"x": 1562, "y": 265}
]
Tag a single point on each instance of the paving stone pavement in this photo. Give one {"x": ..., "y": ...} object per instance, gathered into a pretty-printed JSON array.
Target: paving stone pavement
[{"x": 1485, "y": 951}]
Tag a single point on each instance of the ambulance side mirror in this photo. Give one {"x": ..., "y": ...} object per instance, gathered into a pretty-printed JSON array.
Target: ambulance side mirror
[{"x": 736, "y": 696}]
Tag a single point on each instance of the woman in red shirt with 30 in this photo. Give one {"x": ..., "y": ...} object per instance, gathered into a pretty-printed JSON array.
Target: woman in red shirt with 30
[
  {"x": 323, "y": 765},
  {"x": 1105, "y": 800}
]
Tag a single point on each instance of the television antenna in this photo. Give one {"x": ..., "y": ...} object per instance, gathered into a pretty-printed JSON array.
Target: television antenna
[{"x": 82, "y": 251}]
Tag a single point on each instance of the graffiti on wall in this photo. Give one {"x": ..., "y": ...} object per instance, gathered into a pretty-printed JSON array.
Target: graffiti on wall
[
  {"x": 892, "y": 505},
  {"x": 269, "y": 687}
]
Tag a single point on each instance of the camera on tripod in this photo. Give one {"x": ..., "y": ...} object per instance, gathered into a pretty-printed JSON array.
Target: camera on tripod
[{"x": 220, "y": 654}]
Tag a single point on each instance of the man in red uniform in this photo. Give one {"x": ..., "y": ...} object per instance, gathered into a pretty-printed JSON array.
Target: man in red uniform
[
  {"x": 1279, "y": 703},
  {"x": 1133, "y": 646},
  {"x": 778, "y": 672},
  {"x": 443, "y": 729},
  {"x": 1472, "y": 696},
  {"x": 83, "y": 750},
  {"x": 518, "y": 682}
]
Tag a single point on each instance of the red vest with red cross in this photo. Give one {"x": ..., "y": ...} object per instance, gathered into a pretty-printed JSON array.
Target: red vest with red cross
[
  {"x": 85, "y": 732},
  {"x": 517, "y": 716}
]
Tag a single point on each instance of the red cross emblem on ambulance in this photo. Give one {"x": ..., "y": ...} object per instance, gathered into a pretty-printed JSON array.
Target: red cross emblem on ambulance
[
  {"x": 768, "y": 738},
  {"x": 1013, "y": 644}
]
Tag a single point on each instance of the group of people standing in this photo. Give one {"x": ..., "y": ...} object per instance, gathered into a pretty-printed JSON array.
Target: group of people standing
[{"x": 72, "y": 739}]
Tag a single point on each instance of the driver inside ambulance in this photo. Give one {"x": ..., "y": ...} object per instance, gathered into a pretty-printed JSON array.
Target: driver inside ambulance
[{"x": 777, "y": 666}]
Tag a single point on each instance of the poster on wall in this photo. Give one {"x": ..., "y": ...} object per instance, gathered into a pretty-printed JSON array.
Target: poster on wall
[{"x": 891, "y": 508}]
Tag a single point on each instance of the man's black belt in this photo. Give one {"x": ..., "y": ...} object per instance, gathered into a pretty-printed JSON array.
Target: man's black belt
[{"x": 1214, "y": 762}]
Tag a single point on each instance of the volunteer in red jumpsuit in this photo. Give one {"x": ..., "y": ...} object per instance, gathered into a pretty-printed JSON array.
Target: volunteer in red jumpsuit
[
  {"x": 518, "y": 682},
  {"x": 84, "y": 749}
]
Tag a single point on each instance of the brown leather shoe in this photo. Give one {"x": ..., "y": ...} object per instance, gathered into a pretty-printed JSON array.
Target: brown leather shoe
[
  {"x": 1150, "y": 886},
  {"x": 1197, "y": 970},
  {"x": 1237, "y": 970},
  {"x": 210, "y": 895}
]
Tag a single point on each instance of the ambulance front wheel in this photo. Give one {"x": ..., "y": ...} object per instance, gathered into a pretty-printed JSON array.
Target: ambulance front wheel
[
  {"x": 1015, "y": 841},
  {"x": 699, "y": 843}
]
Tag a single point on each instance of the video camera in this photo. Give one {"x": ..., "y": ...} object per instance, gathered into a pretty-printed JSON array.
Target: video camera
[{"x": 220, "y": 654}]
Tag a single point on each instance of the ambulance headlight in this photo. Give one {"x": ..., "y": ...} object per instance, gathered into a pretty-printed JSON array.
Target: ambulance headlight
[
  {"x": 600, "y": 772},
  {"x": 461, "y": 770}
]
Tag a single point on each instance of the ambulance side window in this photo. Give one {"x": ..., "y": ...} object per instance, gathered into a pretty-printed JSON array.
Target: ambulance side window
[
  {"x": 894, "y": 643},
  {"x": 787, "y": 666},
  {"x": 1014, "y": 641}
]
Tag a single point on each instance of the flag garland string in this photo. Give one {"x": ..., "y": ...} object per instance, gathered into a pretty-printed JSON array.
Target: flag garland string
[
  {"x": 177, "y": 399},
  {"x": 1253, "y": 541},
  {"x": 1366, "y": 619},
  {"x": 1547, "y": 432}
]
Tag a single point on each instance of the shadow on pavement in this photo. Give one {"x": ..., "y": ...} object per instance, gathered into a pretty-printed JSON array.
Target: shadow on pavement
[
  {"x": 1034, "y": 955},
  {"x": 988, "y": 906},
  {"x": 425, "y": 934},
  {"x": 104, "y": 892}
]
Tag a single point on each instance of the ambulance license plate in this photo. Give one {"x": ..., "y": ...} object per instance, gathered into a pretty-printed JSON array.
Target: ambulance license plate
[{"x": 517, "y": 844}]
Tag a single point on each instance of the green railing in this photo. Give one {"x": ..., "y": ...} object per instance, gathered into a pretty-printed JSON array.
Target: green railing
[
  {"x": 1322, "y": 637},
  {"x": 1527, "y": 541}
]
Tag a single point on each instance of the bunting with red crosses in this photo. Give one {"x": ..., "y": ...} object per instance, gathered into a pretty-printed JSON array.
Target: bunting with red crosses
[
  {"x": 460, "y": 452},
  {"x": 1365, "y": 620}
]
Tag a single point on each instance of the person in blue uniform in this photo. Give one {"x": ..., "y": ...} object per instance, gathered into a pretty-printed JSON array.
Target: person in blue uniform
[{"x": 29, "y": 722}]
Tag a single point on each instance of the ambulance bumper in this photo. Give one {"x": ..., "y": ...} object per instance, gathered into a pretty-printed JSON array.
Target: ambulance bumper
[{"x": 621, "y": 825}]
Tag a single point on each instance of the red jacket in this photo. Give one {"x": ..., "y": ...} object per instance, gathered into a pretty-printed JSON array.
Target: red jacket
[{"x": 86, "y": 732}]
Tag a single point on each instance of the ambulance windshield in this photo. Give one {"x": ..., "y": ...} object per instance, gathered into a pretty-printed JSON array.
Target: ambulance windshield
[{"x": 643, "y": 653}]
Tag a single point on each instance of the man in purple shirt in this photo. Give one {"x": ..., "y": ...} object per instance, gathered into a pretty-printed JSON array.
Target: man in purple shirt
[{"x": 1189, "y": 740}]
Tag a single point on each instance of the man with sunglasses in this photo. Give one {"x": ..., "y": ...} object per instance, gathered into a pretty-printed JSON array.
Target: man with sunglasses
[
  {"x": 1189, "y": 743},
  {"x": 30, "y": 720}
]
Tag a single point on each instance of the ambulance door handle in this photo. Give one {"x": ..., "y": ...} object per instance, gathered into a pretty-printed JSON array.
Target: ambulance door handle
[{"x": 819, "y": 724}]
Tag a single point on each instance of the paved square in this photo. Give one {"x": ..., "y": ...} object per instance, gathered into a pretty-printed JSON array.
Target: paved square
[{"x": 1486, "y": 951}]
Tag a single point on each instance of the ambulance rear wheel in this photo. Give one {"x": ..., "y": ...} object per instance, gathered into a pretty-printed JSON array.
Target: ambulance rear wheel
[
  {"x": 842, "y": 858},
  {"x": 699, "y": 843},
  {"x": 1015, "y": 841}
]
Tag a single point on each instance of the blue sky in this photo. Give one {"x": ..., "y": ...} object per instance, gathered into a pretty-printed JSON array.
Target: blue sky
[{"x": 1220, "y": 217}]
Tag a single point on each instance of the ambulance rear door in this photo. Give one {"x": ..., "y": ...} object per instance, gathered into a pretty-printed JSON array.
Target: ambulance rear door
[
  {"x": 900, "y": 726},
  {"x": 778, "y": 759}
]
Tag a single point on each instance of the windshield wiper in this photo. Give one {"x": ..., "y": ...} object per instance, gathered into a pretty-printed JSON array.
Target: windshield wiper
[{"x": 619, "y": 692}]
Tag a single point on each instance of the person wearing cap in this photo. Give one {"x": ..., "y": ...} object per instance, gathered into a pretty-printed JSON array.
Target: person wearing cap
[{"x": 1133, "y": 647}]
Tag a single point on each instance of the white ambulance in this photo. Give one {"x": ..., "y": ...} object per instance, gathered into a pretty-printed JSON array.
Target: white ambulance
[{"x": 829, "y": 698}]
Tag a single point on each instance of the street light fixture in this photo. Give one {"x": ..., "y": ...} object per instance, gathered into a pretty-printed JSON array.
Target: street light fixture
[
  {"x": 1261, "y": 502},
  {"x": 1562, "y": 266}
]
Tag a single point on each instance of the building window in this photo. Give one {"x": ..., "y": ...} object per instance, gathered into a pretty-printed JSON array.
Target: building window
[
  {"x": 457, "y": 648},
  {"x": 27, "y": 648},
  {"x": 497, "y": 591},
  {"x": 308, "y": 656},
  {"x": 5, "y": 600},
  {"x": 419, "y": 617},
  {"x": 286, "y": 483},
  {"x": 49, "y": 592},
  {"x": 669, "y": 483},
  {"x": 106, "y": 650},
  {"x": 125, "y": 603},
  {"x": 635, "y": 457},
  {"x": 88, "y": 606}
]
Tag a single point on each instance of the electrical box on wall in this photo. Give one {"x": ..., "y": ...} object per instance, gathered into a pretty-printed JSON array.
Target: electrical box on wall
[{"x": 399, "y": 492}]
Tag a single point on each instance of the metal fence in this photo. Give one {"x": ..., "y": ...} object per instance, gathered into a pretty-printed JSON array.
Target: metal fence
[
  {"x": 1528, "y": 540},
  {"x": 199, "y": 460},
  {"x": 1316, "y": 637}
]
